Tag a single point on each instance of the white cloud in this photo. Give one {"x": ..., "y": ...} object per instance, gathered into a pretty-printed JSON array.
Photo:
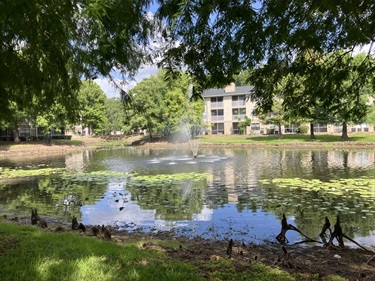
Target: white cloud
[
  {"x": 111, "y": 91},
  {"x": 107, "y": 87},
  {"x": 363, "y": 49}
]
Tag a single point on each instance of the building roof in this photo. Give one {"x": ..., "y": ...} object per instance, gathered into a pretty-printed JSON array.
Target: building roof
[{"x": 240, "y": 90}]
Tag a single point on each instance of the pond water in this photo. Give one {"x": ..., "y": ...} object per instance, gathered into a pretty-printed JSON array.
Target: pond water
[{"x": 238, "y": 193}]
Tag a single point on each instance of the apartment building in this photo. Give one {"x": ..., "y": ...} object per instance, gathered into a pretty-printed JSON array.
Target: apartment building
[{"x": 225, "y": 108}]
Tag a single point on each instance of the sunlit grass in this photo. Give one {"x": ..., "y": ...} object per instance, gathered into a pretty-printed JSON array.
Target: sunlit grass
[
  {"x": 27, "y": 253},
  {"x": 38, "y": 255},
  {"x": 113, "y": 143},
  {"x": 288, "y": 138}
]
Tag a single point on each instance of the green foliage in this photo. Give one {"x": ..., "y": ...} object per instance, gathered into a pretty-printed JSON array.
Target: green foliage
[
  {"x": 115, "y": 114},
  {"x": 47, "y": 47},
  {"x": 55, "y": 118},
  {"x": 370, "y": 118},
  {"x": 242, "y": 79},
  {"x": 219, "y": 39},
  {"x": 277, "y": 115},
  {"x": 92, "y": 106},
  {"x": 302, "y": 129},
  {"x": 242, "y": 125},
  {"x": 160, "y": 106}
]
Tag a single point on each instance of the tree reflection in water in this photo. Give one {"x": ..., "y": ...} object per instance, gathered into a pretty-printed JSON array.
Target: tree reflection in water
[{"x": 231, "y": 200}]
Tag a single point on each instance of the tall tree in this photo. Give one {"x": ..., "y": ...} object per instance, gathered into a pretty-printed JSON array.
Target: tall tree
[
  {"x": 92, "y": 111},
  {"x": 48, "y": 46},
  {"x": 115, "y": 114},
  {"x": 219, "y": 39},
  {"x": 14, "y": 120},
  {"x": 348, "y": 99},
  {"x": 148, "y": 104},
  {"x": 161, "y": 106},
  {"x": 55, "y": 118},
  {"x": 276, "y": 116}
]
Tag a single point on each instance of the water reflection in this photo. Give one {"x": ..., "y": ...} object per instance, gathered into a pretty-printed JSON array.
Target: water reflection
[{"x": 230, "y": 202}]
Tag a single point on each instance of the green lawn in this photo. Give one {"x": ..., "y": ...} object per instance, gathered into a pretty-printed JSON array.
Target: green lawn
[
  {"x": 287, "y": 138},
  {"x": 28, "y": 253}
]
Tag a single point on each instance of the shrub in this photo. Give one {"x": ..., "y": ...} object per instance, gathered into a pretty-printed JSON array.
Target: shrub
[{"x": 302, "y": 129}]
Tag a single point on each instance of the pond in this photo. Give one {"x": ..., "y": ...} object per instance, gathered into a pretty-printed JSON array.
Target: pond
[{"x": 238, "y": 193}]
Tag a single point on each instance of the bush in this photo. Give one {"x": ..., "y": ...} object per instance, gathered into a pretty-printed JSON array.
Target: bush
[{"x": 302, "y": 129}]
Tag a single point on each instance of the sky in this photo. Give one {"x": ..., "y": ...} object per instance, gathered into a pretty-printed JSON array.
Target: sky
[
  {"x": 112, "y": 92},
  {"x": 145, "y": 72}
]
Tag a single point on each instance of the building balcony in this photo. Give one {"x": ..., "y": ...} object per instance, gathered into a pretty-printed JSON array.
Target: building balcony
[{"x": 217, "y": 104}]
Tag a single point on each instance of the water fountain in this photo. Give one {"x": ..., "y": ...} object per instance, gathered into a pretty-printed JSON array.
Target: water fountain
[{"x": 194, "y": 146}]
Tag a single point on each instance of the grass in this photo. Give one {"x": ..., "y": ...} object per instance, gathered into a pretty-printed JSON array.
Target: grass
[
  {"x": 288, "y": 138},
  {"x": 27, "y": 253}
]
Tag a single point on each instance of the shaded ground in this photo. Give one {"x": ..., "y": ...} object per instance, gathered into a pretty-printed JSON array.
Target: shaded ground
[{"x": 353, "y": 264}]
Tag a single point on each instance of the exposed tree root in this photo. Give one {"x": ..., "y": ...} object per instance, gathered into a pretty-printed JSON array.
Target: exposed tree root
[
  {"x": 339, "y": 235},
  {"x": 285, "y": 227}
]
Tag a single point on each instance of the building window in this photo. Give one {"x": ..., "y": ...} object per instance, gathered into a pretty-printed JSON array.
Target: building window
[
  {"x": 217, "y": 114},
  {"x": 218, "y": 128},
  {"x": 255, "y": 128},
  {"x": 238, "y": 100},
  {"x": 238, "y": 113},
  {"x": 320, "y": 128},
  {"x": 235, "y": 129},
  {"x": 291, "y": 128},
  {"x": 217, "y": 102}
]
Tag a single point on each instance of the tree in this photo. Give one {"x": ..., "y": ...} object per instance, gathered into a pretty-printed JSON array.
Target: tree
[
  {"x": 370, "y": 118},
  {"x": 243, "y": 124},
  {"x": 14, "y": 120},
  {"x": 115, "y": 115},
  {"x": 219, "y": 39},
  {"x": 242, "y": 79},
  {"x": 319, "y": 93},
  {"x": 183, "y": 112},
  {"x": 92, "y": 108},
  {"x": 48, "y": 46},
  {"x": 148, "y": 104},
  {"x": 349, "y": 101},
  {"x": 54, "y": 117},
  {"x": 277, "y": 116},
  {"x": 161, "y": 106}
]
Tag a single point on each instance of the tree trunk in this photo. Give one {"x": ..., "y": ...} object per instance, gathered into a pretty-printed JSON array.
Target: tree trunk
[
  {"x": 48, "y": 138},
  {"x": 312, "y": 135},
  {"x": 280, "y": 134},
  {"x": 16, "y": 133},
  {"x": 344, "y": 135}
]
